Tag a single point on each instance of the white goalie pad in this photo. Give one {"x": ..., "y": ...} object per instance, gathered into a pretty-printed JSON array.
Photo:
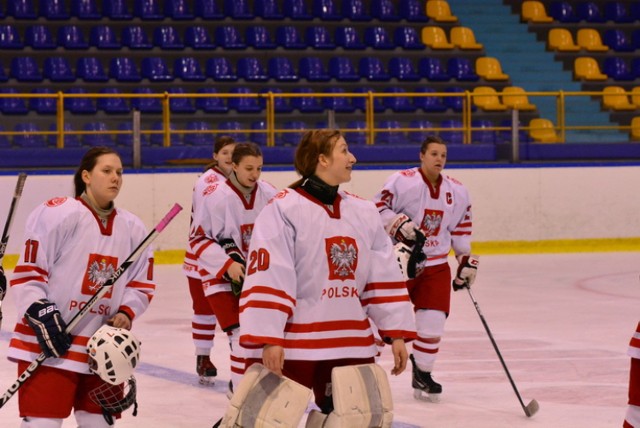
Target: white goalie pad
[{"x": 265, "y": 400}]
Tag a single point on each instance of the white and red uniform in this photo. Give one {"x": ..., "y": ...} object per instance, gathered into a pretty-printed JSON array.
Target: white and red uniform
[
  {"x": 203, "y": 321},
  {"x": 68, "y": 254},
  {"x": 632, "y": 418},
  {"x": 443, "y": 214}
]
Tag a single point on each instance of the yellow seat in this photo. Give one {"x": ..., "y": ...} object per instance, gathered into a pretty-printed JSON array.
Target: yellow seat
[
  {"x": 635, "y": 128},
  {"x": 463, "y": 38},
  {"x": 635, "y": 96},
  {"x": 615, "y": 98},
  {"x": 489, "y": 68},
  {"x": 587, "y": 68},
  {"x": 590, "y": 39},
  {"x": 534, "y": 11},
  {"x": 487, "y": 99},
  {"x": 435, "y": 38},
  {"x": 560, "y": 39},
  {"x": 439, "y": 11},
  {"x": 514, "y": 97},
  {"x": 543, "y": 131}
]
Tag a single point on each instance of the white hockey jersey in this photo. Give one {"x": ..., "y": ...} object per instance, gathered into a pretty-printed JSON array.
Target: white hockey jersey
[
  {"x": 200, "y": 190},
  {"x": 68, "y": 253},
  {"x": 315, "y": 275},
  {"x": 442, "y": 213},
  {"x": 224, "y": 214}
]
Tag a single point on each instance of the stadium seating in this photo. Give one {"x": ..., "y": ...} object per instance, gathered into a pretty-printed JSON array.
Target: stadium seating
[
  {"x": 455, "y": 135},
  {"x": 232, "y": 128},
  {"x": 423, "y": 127},
  {"x": 306, "y": 104},
  {"x": 292, "y": 134},
  {"x": 562, "y": 11},
  {"x": 372, "y": 69},
  {"x": 408, "y": 38},
  {"x": 337, "y": 104},
  {"x": 534, "y": 11},
  {"x": 377, "y": 38},
  {"x": 489, "y": 68},
  {"x": 167, "y": 37},
  {"x": 514, "y": 97},
  {"x": 79, "y": 105},
  {"x": 70, "y": 140},
  {"x": 134, "y": 37},
  {"x": 197, "y": 37},
  {"x": 117, "y": 10},
  {"x": 113, "y": 105},
  {"x": 259, "y": 136},
  {"x": 188, "y": 69},
  {"x": 237, "y": 9},
  {"x": 589, "y": 12},
  {"x": 388, "y": 133},
  {"x": 280, "y": 104},
  {"x": 251, "y": 69},
  {"x": 543, "y": 131},
  {"x": 246, "y": 104},
  {"x": 211, "y": 104},
  {"x": 281, "y": 69},
  {"x": 208, "y": 9},
  {"x": 412, "y": 11},
  {"x": 289, "y": 37},
  {"x": 25, "y": 69},
  {"x": 178, "y": 10},
  {"x": 342, "y": 69},
  {"x": 440, "y": 11},
  {"x": 54, "y": 10},
  {"x": 10, "y": 38},
  {"x": 617, "y": 68},
  {"x": 461, "y": 69},
  {"x": 90, "y": 69},
  {"x": 103, "y": 37},
  {"x": 156, "y": 70},
  {"x": 21, "y": 9},
  {"x": 312, "y": 69},
  {"x": 480, "y": 134},
  {"x": 12, "y": 105},
  {"x": 617, "y": 12},
  {"x": 635, "y": 96},
  {"x": 433, "y": 69},
  {"x": 347, "y": 38},
  {"x": 221, "y": 69},
  {"x": 228, "y": 37},
  {"x": 43, "y": 105},
  {"x": 615, "y": 98},
  {"x": 319, "y": 37},
  {"x": 436, "y": 38},
  {"x": 384, "y": 10},
  {"x": 326, "y": 10},
  {"x": 148, "y": 10},
  {"x": 403, "y": 69},
  {"x": 355, "y": 132},
  {"x": 26, "y": 137},
  {"x": 182, "y": 105},
  {"x": 561, "y": 40},
  {"x": 71, "y": 37},
  {"x": 398, "y": 104},
  {"x": 58, "y": 69},
  {"x": 85, "y": 9},
  {"x": 39, "y": 37},
  {"x": 463, "y": 38},
  {"x": 634, "y": 133},
  {"x": 429, "y": 104},
  {"x": 297, "y": 10},
  {"x": 267, "y": 9},
  {"x": 590, "y": 39},
  {"x": 617, "y": 40},
  {"x": 258, "y": 37},
  {"x": 97, "y": 137},
  {"x": 587, "y": 68},
  {"x": 354, "y": 10},
  {"x": 487, "y": 99},
  {"x": 146, "y": 104},
  {"x": 197, "y": 137}
]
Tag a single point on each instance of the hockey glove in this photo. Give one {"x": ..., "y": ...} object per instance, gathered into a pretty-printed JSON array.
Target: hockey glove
[
  {"x": 234, "y": 253},
  {"x": 3, "y": 284},
  {"x": 417, "y": 255},
  {"x": 44, "y": 318},
  {"x": 467, "y": 270},
  {"x": 402, "y": 229}
]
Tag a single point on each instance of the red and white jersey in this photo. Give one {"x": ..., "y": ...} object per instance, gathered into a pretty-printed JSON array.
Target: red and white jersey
[
  {"x": 68, "y": 253},
  {"x": 315, "y": 273},
  {"x": 200, "y": 190},
  {"x": 634, "y": 344},
  {"x": 442, "y": 213},
  {"x": 224, "y": 214}
]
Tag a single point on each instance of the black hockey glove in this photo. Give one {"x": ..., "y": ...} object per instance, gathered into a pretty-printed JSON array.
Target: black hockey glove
[
  {"x": 234, "y": 253},
  {"x": 417, "y": 255},
  {"x": 44, "y": 318},
  {"x": 466, "y": 274},
  {"x": 3, "y": 284}
]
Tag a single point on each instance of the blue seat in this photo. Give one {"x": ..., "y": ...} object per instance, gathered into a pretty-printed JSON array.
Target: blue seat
[
  {"x": 429, "y": 104},
  {"x": 148, "y": 10},
  {"x": 454, "y": 136},
  {"x": 259, "y": 137},
  {"x": 635, "y": 39},
  {"x": 312, "y": 69},
  {"x": 455, "y": 103},
  {"x": 635, "y": 67},
  {"x": 3, "y": 75},
  {"x": 618, "y": 40},
  {"x": 408, "y": 38},
  {"x": 617, "y": 68},
  {"x": 424, "y": 128},
  {"x": 617, "y": 12},
  {"x": 58, "y": 69},
  {"x": 134, "y": 37},
  {"x": 27, "y": 137},
  {"x": 25, "y": 69},
  {"x": 399, "y": 104},
  {"x": 481, "y": 135},
  {"x": 124, "y": 69},
  {"x": 180, "y": 104},
  {"x": 384, "y": 10},
  {"x": 127, "y": 139},
  {"x": 402, "y": 69},
  {"x": 71, "y": 37},
  {"x": 562, "y": 11},
  {"x": 188, "y": 69},
  {"x": 289, "y": 38},
  {"x": 21, "y": 9},
  {"x": 211, "y": 104},
  {"x": 360, "y": 103},
  {"x": 79, "y": 105},
  {"x": 221, "y": 69},
  {"x": 244, "y": 104},
  {"x": 197, "y": 37},
  {"x": 355, "y": 132},
  {"x": 70, "y": 140},
  {"x": 97, "y": 136},
  {"x": 319, "y": 37},
  {"x": 228, "y": 37},
  {"x": 4, "y": 140},
  {"x": 10, "y": 38},
  {"x": 157, "y": 138},
  {"x": 267, "y": 9},
  {"x": 338, "y": 104},
  {"x": 178, "y": 10},
  {"x": 372, "y": 68},
  {"x": 199, "y": 135},
  {"x": 412, "y": 11},
  {"x": 237, "y": 9},
  {"x": 348, "y": 38},
  {"x": 297, "y": 10},
  {"x": 43, "y": 105},
  {"x": 146, "y": 104},
  {"x": 354, "y": 10},
  {"x": 39, "y": 37},
  {"x": 306, "y": 104},
  {"x": 233, "y": 128},
  {"x": 85, "y": 9},
  {"x": 12, "y": 105},
  {"x": 103, "y": 37},
  {"x": 634, "y": 10},
  {"x": 117, "y": 10},
  {"x": 389, "y": 133},
  {"x": 156, "y": 70},
  {"x": 258, "y": 37},
  {"x": 295, "y": 130},
  {"x": 54, "y": 10},
  {"x": 281, "y": 69},
  {"x": 167, "y": 37},
  {"x": 208, "y": 9},
  {"x": 462, "y": 69},
  {"x": 251, "y": 69},
  {"x": 342, "y": 69},
  {"x": 90, "y": 69},
  {"x": 590, "y": 12},
  {"x": 504, "y": 136},
  {"x": 433, "y": 69},
  {"x": 113, "y": 105},
  {"x": 378, "y": 38},
  {"x": 326, "y": 10}
]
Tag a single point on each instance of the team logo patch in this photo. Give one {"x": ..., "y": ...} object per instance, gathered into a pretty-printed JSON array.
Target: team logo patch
[
  {"x": 245, "y": 234},
  {"x": 281, "y": 194},
  {"x": 99, "y": 269},
  {"x": 408, "y": 172},
  {"x": 431, "y": 222},
  {"x": 209, "y": 189},
  {"x": 342, "y": 256},
  {"x": 54, "y": 202},
  {"x": 212, "y": 178}
]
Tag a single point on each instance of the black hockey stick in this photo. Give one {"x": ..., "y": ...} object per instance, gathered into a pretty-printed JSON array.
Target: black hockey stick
[
  {"x": 22, "y": 177},
  {"x": 104, "y": 288},
  {"x": 531, "y": 408}
]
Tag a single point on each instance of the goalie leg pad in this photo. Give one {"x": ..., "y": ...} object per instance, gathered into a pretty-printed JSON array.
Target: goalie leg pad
[
  {"x": 265, "y": 400},
  {"x": 361, "y": 397}
]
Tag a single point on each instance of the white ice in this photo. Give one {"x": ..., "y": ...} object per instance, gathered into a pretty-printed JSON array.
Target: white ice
[{"x": 561, "y": 321}]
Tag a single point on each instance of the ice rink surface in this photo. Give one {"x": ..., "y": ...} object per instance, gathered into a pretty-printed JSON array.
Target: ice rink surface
[{"x": 562, "y": 323}]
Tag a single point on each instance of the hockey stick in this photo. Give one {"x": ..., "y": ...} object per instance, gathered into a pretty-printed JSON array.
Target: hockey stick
[
  {"x": 22, "y": 177},
  {"x": 531, "y": 408},
  {"x": 104, "y": 288}
]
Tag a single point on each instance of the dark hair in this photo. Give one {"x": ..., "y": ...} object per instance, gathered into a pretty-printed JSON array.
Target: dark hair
[
  {"x": 313, "y": 143},
  {"x": 429, "y": 140},
  {"x": 87, "y": 163},
  {"x": 221, "y": 141},
  {"x": 245, "y": 149}
]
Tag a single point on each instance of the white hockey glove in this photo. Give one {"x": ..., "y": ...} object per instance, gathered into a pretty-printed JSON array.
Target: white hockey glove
[
  {"x": 402, "y": 229},
  {"x": 467, "y": 270},
  {"x": 44, "y": 318}
]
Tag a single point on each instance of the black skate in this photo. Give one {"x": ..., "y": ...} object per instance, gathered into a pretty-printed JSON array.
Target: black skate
[
  {"x": 422, "y": 382},
  {"x": 206, "y": 370}
]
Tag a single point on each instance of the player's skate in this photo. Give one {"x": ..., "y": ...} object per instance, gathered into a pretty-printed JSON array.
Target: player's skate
[
  {"x": 206, "y": 370},
  {"x": 422, "y": 382}
]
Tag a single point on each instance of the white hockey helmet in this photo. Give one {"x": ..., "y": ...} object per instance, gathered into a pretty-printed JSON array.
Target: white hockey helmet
[{"x": 113, "y": 354}]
